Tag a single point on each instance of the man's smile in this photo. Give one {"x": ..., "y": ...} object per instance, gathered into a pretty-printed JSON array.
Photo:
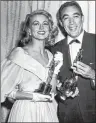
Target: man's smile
[{"x": 72, "y": 28}]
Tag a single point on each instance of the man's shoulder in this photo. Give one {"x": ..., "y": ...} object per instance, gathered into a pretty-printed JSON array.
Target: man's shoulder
[
  {"x": 92, "y": 34},
  {"x": 89, "y": 38},
  {"x": 89, "y": 35},
  {"x": 60, "y": 43},
  {"x": 58, "y": 46}
]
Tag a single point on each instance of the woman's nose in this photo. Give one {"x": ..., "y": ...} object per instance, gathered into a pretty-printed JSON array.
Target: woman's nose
[{"x": 41, "y": 26}]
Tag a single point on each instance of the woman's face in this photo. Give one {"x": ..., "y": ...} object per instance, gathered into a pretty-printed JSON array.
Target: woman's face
[{"x": 40, "y": 27}]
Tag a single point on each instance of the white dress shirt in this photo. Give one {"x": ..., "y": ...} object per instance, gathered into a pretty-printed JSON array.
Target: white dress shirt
[{"x": 74, "y": 47}]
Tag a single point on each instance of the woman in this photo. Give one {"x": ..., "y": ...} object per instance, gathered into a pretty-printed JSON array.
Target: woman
[{"x": 26, "y": 67}]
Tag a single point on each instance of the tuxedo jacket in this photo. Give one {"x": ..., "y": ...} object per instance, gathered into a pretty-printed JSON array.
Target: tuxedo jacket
[{"x": 85, "y": 102}]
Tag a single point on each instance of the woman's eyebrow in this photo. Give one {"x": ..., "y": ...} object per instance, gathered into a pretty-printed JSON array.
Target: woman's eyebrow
[{"x": 35, "y": 21}]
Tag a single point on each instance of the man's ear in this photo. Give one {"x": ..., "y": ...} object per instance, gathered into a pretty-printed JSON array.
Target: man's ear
[
  {"x": 60, "y": 23},
  {"x": 83, "y": 18}
]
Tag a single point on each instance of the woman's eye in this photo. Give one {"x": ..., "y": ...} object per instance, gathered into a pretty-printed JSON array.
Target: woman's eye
[
  {"x": 35, "y": 23},
  {"x": 45, "y": 23}
]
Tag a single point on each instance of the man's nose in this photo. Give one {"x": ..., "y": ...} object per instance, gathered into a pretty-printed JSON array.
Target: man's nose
[{"x": 71, "y": 21}]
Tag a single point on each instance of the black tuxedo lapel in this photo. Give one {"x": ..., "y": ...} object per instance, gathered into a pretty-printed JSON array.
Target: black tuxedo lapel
[
  {"x": 84, "y": 40},
  {"x": 65, "y": 70},
  {"x": 67, "y": 54},
  {"x": 84, "y": 46},
  {"x": 87, "y": 44}
]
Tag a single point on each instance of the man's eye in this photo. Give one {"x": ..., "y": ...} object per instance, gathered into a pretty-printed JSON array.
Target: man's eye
[
  {"x": 76, "y": 16},
  {"x": 65, "y": 18}
]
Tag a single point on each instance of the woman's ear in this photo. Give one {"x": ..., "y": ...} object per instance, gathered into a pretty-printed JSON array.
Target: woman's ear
[{"x": 29, "y": 31}]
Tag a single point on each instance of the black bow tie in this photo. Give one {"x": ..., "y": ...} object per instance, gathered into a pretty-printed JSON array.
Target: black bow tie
[{"x": 75, "y": 40}]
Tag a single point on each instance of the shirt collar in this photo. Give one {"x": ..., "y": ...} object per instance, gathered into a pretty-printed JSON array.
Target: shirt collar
[{"x": 80, "y": 38}]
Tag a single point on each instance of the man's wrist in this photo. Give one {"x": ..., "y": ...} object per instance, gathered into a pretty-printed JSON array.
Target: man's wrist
[
  {"x": 93, "y": 75},
  {"x": 92, "y": 83}
]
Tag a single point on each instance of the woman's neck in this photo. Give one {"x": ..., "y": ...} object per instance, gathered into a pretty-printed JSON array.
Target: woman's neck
[{"x": 36, "y": 46}]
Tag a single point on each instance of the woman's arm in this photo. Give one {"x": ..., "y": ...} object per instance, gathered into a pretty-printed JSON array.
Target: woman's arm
[
  {"x": 23, "y": 96},
  {"x": 18, "y": 95}
]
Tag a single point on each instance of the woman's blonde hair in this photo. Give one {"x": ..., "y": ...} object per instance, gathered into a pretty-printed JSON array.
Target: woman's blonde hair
[{"x": 25, "y": 37}]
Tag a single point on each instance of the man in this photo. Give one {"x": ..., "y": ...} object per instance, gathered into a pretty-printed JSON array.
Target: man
[{"x": 80, "y": 109}]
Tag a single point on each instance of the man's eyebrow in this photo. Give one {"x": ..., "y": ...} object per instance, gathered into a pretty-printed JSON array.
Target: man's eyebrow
[
  {"x": 65, "y": 15},
  {"x": 76, "y": 13}
]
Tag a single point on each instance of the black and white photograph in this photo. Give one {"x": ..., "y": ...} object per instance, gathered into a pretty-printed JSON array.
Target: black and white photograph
[{"x": 48, "y": 61}]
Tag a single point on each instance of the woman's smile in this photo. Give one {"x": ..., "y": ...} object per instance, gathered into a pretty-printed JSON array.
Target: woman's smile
[{"x": 41, "y": 32}]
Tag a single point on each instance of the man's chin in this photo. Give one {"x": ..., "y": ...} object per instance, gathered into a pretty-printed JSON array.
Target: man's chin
[{"x": 74, "y": 35}]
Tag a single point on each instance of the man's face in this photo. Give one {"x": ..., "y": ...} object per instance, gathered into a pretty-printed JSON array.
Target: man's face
[{"x": 72, "y": 21}]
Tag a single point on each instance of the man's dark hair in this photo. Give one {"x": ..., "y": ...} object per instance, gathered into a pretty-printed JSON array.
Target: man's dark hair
[{"x": 67, "y": 4}]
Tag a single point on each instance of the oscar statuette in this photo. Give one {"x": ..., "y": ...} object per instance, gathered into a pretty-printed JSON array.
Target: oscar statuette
[
  {"x": 45, "y": 87},
  {"x": 70, "y": 84}
]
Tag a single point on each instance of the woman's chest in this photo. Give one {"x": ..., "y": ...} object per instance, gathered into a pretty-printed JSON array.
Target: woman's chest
[
  {"x": 30, "y": 82},
  {"x": 43, "y": 60}
]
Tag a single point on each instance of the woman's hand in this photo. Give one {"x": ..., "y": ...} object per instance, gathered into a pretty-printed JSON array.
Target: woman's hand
[
  {"x": 58, "y": 58},
  {"x": 37, "y": 97}
]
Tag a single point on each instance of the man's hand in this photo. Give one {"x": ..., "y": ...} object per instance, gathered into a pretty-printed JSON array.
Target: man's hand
[
  {"x": 71, "y": 94},
  {"x": 83, "y": 70}
]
